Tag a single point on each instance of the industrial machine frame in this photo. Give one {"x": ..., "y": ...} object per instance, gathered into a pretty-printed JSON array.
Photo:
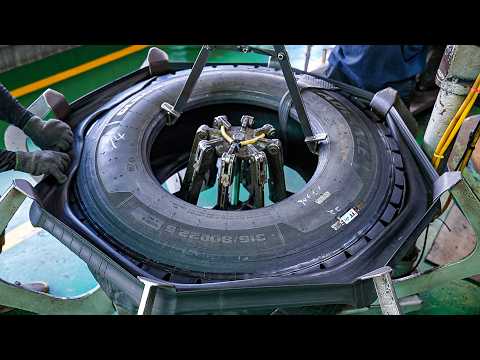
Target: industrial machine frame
[{"x": 163, "y": 297}]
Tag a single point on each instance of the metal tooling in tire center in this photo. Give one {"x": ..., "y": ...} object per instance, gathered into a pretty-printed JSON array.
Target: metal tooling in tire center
[{"x": 356, "y": 275}]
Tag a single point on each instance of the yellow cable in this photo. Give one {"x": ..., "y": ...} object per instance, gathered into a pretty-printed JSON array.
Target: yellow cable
[
  {"x": 463, "y": 164},
  {"x": 455, "y": 130},
  {"x": 459, "y": 123},
  {"x": 242, "y": 143},
  {"x": 225, "y": 135},
  {"x": 459, "y": 112},
  {"x": 469, "y": 151},
  {"x": 437, "y": 156},
  {"x": 252, "y": 141},
  {"x": 452, "y": 130},
  {"x": 456, "y": 123}
]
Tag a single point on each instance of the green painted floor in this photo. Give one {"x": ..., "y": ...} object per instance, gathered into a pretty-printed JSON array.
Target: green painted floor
[{"x": 41, "y": 257}]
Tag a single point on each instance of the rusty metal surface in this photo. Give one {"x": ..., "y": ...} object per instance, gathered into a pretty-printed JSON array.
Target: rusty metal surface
[
  {"x": 467, "y": 267},
  {"x": 455, "y": 244},
  {"x": 387, "y": 298}
]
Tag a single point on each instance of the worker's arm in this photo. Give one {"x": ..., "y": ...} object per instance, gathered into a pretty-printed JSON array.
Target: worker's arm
[
  {"x": 7, "y": 160},
  {"x": 44, "y": 162},
  {"x": 11, "y": 110},
  {"x": 48, "y": 135}
]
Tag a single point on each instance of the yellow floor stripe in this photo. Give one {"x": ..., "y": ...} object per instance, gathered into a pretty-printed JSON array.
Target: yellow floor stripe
[
  {"x": 26, "y": 230},
  {"x": 19, "y": 234},
  {"x": 43, "y": 83}
]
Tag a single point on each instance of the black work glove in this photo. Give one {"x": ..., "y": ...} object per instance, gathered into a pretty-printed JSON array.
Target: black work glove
[
  {"x": 49, "y": 135},
  {"x": 43, "y": 162}
]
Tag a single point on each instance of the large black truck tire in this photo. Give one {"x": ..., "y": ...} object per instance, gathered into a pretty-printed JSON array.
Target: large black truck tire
[{"x": 355, "y": 186}]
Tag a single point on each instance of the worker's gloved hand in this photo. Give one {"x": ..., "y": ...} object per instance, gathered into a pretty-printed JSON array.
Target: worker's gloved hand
[
  {"x": 49, "y": 135},
  {"x": 43, "y": 162}
]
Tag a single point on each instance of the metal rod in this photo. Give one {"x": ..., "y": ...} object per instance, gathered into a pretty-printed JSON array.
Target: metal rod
[
  {"x": 246, "y": 49},
  {"x": 458, "y": 70},
  {"x": 276, "y": 176},
  {"x": 10, "y": 202},
  {"x": 205, "y": 156},
  {"x": 175, "y": 112},
  {"x": 387, "y": 297},
  {"x": 236, "y": 184},
  {"x": 227, "y": 169},
  {"x": 257, "y": 176},
  {"x": 292, "y": 85},
  {"x": 307, "y": 57},
  {"x": 197, "y": 69},
  {"x": 201, "y": 134},
  {"x": 148, "y": 297}
]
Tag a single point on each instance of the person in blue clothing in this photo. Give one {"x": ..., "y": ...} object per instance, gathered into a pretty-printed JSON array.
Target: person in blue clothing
[{"x": 375, "y": 67}]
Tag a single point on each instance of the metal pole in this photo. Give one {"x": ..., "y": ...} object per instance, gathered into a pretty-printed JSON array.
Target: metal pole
[
  {"x": 297, "y": 101},
  {"x": 307, "y": 57},
  {"x": 387, "y": 298},
  {"x": 175, "y": 111},
  {"x": 459, "y": 67},
  {"x": 148, "y": 296}
]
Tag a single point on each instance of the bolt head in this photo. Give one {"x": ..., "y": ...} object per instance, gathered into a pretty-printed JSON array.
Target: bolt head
[
  {"x": 218, "y": 121},
  {"x": 273, "y": 149},
  {"x": 247, "y": 121}
]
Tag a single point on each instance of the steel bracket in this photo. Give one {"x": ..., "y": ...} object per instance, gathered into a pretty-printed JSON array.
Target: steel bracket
[
  {"x": 149, "y": 294},
  {"x": 387, "y": 296},
  {"x": 315, "y": 141},
  {"x": 92, "y": 302},
  {"x": 469, "y": 204}
]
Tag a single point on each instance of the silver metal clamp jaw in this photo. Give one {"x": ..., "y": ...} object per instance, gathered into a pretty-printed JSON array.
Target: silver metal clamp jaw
[{"x": 243, "y": 154}]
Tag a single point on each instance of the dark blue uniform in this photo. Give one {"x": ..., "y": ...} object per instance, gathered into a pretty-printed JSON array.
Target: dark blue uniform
[{"x": 375, "y": 67}]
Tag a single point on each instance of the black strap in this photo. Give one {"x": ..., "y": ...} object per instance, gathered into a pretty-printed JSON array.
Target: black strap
[{"x": 350, "y": 89}]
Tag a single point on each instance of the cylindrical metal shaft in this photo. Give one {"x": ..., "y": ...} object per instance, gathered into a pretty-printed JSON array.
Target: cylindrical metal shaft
[{"x": 459, "y": 68}]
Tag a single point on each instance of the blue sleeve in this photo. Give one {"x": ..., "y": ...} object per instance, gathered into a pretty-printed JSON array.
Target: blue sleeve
[{"x": 373, "y": 67}]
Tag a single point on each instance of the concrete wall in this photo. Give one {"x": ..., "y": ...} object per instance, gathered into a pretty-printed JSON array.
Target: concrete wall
[{"x": 12, "y": 56}]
